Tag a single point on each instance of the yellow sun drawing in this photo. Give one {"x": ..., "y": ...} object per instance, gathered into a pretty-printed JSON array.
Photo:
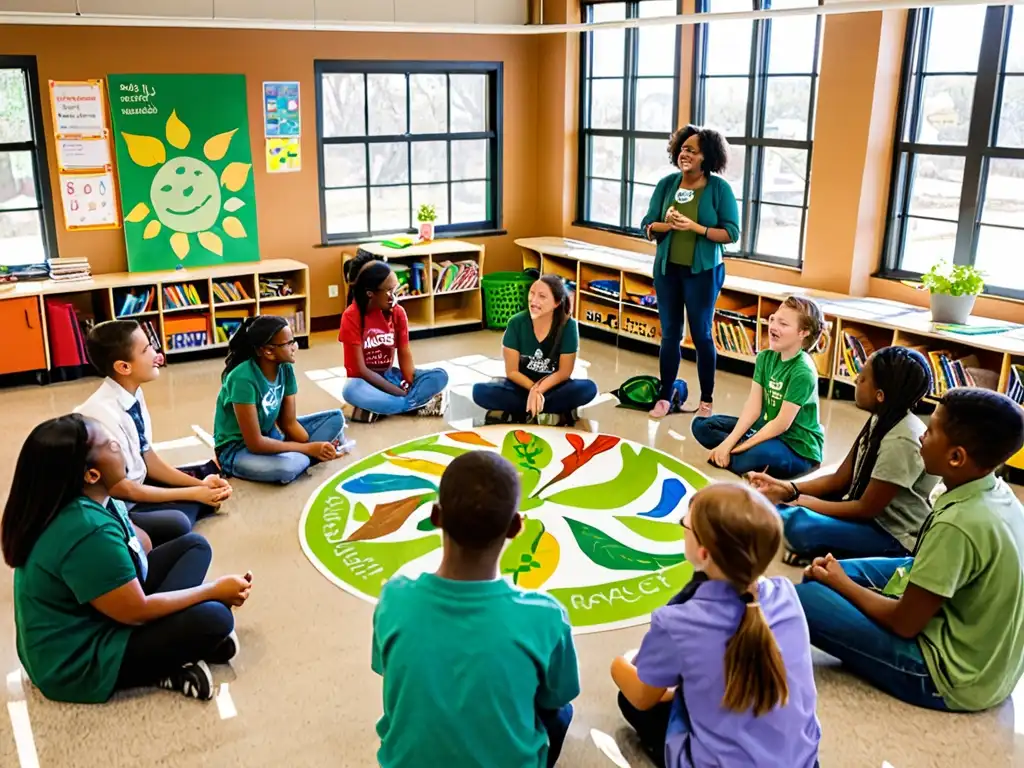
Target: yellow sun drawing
[{"x": 186, "y": 192}]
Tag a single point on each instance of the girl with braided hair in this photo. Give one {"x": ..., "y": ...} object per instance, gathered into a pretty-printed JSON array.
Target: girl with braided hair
[{"x": 876, "y": 502}]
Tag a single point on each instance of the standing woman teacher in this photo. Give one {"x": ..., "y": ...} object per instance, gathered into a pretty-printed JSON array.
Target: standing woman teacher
[{"x": 693, "y": 215}]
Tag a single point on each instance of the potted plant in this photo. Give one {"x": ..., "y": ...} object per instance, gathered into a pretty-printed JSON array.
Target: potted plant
[
  {"x": 426, "y": 216},
  {"x": 953, "y": 289}
]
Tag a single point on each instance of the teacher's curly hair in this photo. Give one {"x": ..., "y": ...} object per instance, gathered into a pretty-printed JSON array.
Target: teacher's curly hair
[{"x": 713, "y": 146}]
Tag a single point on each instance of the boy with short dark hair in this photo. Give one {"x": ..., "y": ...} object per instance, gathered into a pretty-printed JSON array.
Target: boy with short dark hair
[
  {"x": 943, "y": 629},
  {"x": 476, "y": 671},
  {"x": 165, "y": 502}
]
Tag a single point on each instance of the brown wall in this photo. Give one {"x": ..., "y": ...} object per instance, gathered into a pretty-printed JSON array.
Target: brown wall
[{"x": 288, "y": 204}]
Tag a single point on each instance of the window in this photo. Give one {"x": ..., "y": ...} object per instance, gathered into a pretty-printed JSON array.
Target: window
[
  {"x": 26, "y": 214},
  {"x": 756, "y": 83},
  {"x": 958, "y": 176},
  {"x": 629, "y": 104},
  {"x": 396, "y": 135}
]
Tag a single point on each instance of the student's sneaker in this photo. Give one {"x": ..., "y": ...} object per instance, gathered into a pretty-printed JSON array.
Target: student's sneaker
[
  {"x": 226, "y": 651},
  {"x": 193, "y": 680},
  {"x": 362, "y": 416},
  {"x": 436, "y": 406},
  {"x": 499, "y": 417}
]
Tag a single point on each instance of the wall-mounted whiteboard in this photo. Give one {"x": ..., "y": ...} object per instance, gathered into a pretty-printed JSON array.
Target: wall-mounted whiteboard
[
  {"x": 89, "y": 200},
  {"x": 81, "y": 154}
]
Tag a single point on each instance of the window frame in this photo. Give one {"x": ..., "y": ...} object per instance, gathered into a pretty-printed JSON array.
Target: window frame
[
  {"x": 40, "y": 164},
  {"x": 495, "y": 98},
  {"x": 753, "y": 143},
  {"x": 978, "y": 151},
  {"x": 629, "y": 135}
]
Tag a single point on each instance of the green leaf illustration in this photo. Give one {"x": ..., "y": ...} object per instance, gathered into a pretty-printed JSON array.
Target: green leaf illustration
[
  {"x": 530, "y": 454},
  {"x": 518, "y": 555},
  {"x": 605, "y": 551},
  {"x": 655, "y": 530},
  {"x": 361, "y": 514},
  {"x": 638, "y": 473},
  {"x": 692, "y": 477},
  {"x": 366, "y": 565},
  {"x": 429, "y": 443}
]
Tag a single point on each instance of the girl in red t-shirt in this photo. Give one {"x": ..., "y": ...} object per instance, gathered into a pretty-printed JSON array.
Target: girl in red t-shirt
[{"x": 373, "y": 327}]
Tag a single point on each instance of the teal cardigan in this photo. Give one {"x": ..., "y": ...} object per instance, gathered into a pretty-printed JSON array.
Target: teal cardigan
[{"x": 717, "y": 209}]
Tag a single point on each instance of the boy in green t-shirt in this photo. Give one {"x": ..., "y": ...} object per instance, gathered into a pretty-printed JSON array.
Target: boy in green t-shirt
[
  {"x": 476, "y": 671},
  {"x": 943, "y": 629}
]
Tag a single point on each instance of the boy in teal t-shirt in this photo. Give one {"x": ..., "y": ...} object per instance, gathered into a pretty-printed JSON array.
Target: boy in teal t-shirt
[
  {"x": 476, "y": 671},
  {"x": 943, "y": 629}
]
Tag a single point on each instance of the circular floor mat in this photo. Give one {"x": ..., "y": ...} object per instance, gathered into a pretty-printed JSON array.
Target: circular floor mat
[{"x": 601, "y": 532}]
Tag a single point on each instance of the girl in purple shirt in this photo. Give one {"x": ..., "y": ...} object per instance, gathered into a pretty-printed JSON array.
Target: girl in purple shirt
[{"x": 723, "y": 676}]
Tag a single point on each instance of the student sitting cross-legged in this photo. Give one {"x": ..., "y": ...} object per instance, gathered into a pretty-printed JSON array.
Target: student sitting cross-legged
[
  {"x": 723, "y": 677},
  {"x": 96, "y": 609},
  {"x": 476, "y": 671},
  {"x": 877, "y": 501},
  {"x": 165, "y": 502},
  {"x": 257, "y": 434},
  {"x": 540, "y": 346},
  {"x": 943, "y": 629}
]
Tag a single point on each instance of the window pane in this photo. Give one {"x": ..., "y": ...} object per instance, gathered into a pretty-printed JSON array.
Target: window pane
[
  {"x": 1004, "y": 194},
  {"x": 641, "y": 201},
  {"x": 344, "y": 105},
  {"x": 346, "y": 210},
  {"x": 17, "y": 180},
  {"x": 955, "y": 38},
  {"x": 344, "y": 165},
  {"x": 735, "y": 169},
  {"x": 435, "y": 195},
  {"x": 657, "y": 45},
  {"x": 469, "y": 201},
  {"x": 927, "y": 242},
  {"x": 15, "y": 124},
  {"x": 608, "y": 45},
  {"x": 1011, "y": 113},
  {"x": 606, "y": 104},
  {"x": 728, "y": 47},
  {"x": 792, "y": 40},
  {"x": 786, "y": 105},
  {"x": 428, "y": 95},
  {"x": 935, "y": 187},
  {"x": 1000, "y": 256},
  {"x": 389, "y": 163},
  {"x": 606, "y": 157},
  {"x": 429, "y": 161},
  {"x": 654, "y": 100},
  {"x": 725, "y": 105},
  {"x": 21, "y": 239},
  {"x": 469, "y": 159},
  {"x": 779, "y": 232},
  {"x": 388, "y": 115},
  {"x": 651, "y": 161},
  {"x": 469, "y": 103},
  {"x": 784, "y": 177},
  {"x": 1015, "y": 49},
  {"x": 389, "y": 209},
  {"x": 605, "y": 202},
  {"x": 946, "y": 109}
]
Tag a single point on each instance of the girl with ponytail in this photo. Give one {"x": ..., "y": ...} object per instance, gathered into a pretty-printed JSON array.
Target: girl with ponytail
[
  {"x": 724, "y": 675},
  {"x": 876, "y": 502},
  {"x": 539, "y": 346},
  {"x": 257, "y": 435}
]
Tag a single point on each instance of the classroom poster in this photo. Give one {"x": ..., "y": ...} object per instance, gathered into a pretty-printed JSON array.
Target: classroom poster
[
  {"x": 184, "y": 165},
  {"x": 88, "y": 200},
  {"x": 283, "y": 155},
  {"x": 281, "y": 109},
  {"x": 78, "y": 108}
]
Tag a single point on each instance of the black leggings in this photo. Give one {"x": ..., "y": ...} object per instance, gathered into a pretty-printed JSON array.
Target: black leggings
[
  {"x": 158, "y": 648},
  {"x": 168, "y": 520},
  {"x": 651, "y": 727}
]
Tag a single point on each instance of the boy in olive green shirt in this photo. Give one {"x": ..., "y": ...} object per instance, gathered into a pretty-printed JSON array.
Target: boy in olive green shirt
[{"x": 943, "y": 629}]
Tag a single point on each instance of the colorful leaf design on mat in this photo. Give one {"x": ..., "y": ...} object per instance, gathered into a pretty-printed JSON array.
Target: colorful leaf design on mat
[
  {"x": 381, "y": 483},
  {"x": 544, "y": 563},
  {"x": 370, "y": 462},
  {"x": 520, "y": 549},
  {"x": 532, "y": 556},
  {"x": 639, "y": 471},
  {"x": 672, "y": 492},
  {"x": 685, "y": 471},
  {"x": 429, "y": 443},
  {"x": 426, "y": 524},
  {"x": 388, "y": 518},
  {"x": 655, "y": 530},
  {"x": 530, "y": 454},
  {"x": 361, "y": 514},
  {"x": 368, "y": 565},
  {"x": 605, "y": 551},
  {"x": 472, "y": 438},
  {"x": 580, "y": 455},
  {"x": 417, "y": 465}
]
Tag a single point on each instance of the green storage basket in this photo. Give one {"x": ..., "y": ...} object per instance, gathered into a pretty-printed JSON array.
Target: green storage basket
[{"x": 505, "y": 295}]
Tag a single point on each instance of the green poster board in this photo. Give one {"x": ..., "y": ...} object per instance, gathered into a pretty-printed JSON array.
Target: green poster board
[{"x": 184, "y": 164}]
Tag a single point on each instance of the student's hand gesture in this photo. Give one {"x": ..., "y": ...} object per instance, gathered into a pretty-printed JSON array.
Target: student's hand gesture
[
  {"x": 232, "y": 590},
  {"x": 777, "y": 491},
  {"x": 828, "y": 571},
  {"x": 535, "y": 402},
  {"x": 322, "y": 451},
  {"x": 721, "y": 456},
  {"x": 216, "y": 481},
  {"x": 210, "y": 496}
]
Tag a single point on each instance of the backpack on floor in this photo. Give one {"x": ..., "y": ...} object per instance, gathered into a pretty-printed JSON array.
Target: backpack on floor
[{"x": 641, "y": 393}]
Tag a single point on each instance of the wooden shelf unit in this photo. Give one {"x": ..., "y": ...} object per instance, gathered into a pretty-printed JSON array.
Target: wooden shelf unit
[
  {"x": 880, "y": 321},
  {"x": 433, "y": 310}
]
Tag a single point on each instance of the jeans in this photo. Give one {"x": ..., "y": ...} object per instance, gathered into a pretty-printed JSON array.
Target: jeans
[
  {"x": 810, "y": 534},
  {"x": 164, "y": 521},
  {"x": 772, "y": 456},
  {"x": 504, "y": 395},
  {"x": 884, "y": 659},
  {"x": 556, "y": 722},
  {"x": 238, "y": 461},
  {"x": 426, "y": 384},
  {"x": 651, "y": 727},
  {"x": 677, "y": 289},
  {"x": 158, "y": 648}
]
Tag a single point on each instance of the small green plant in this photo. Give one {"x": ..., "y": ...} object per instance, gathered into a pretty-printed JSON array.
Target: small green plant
[
  {"x": 426, "y": 213},
  {"x": 954, "y": 279}
]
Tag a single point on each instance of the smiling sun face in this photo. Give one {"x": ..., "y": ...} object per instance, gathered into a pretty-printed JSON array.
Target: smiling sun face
[{"x": 186, "y": 192}]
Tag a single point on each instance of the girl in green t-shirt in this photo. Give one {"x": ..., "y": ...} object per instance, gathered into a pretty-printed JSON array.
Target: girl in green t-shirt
[
  {"x": 96, "y": 609},
  {"x": 778, "y": 430}
]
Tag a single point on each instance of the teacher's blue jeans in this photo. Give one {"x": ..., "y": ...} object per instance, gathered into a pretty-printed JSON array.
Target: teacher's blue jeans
[
  {"x": 504, "y": 395},
  {"x": 772, "y": 456},
  {"x": 237, "y": 461},
  {"x": 810, "y": 535},
  {"x": 678, "y": 289},
  {"x": 360, "y": 393},
  {"x": 883, "y": 658}
]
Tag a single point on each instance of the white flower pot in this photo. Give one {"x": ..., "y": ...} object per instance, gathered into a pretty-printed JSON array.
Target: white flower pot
[
  {"x": 951, "y": 309},
  {"x": 426, "y": 231}
]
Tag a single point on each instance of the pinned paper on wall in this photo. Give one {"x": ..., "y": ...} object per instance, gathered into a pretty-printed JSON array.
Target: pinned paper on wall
[
  {"x": 78, "y": 107},
  {"x": 89, "y": 200},
  {"x": 283, "y": 155},
  {"x": 281, "y": 109},
  {"x": 82, "y": 154}
]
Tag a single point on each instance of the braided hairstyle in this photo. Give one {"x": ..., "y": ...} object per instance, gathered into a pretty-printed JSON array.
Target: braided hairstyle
[
  {"x": 364, "y": 274},
  {"x": 245, "y": 343},
  {"x": 904, "y": 377}
]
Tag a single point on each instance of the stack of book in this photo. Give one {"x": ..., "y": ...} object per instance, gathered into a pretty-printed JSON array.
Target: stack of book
[
  {"x": 296, "y": 319},
  {"x": 275, "y": 286},
  {"x": 225, "y": 292},
  {"x": 410, "y": 279},
  {"x": 70, "y": 269},
  {"x": 181, "y": 295},
  {"x": 856, "y": 350},
  {"x": 733, "y": 330},
  {"x": 133, "y": 303},
  {"x": 152, "y": 335},
  {"x": 455, "y": 276}
]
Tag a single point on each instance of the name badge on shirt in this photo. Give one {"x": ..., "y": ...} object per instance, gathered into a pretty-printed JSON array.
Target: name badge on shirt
[{"x": 683, "y": 196}]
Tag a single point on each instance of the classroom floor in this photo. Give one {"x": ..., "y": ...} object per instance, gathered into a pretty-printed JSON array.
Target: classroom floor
[{"x": 301, "y": 693}]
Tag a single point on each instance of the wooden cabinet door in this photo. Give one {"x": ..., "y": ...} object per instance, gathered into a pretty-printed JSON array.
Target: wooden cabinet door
[{"x": 21, "y": 330}]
